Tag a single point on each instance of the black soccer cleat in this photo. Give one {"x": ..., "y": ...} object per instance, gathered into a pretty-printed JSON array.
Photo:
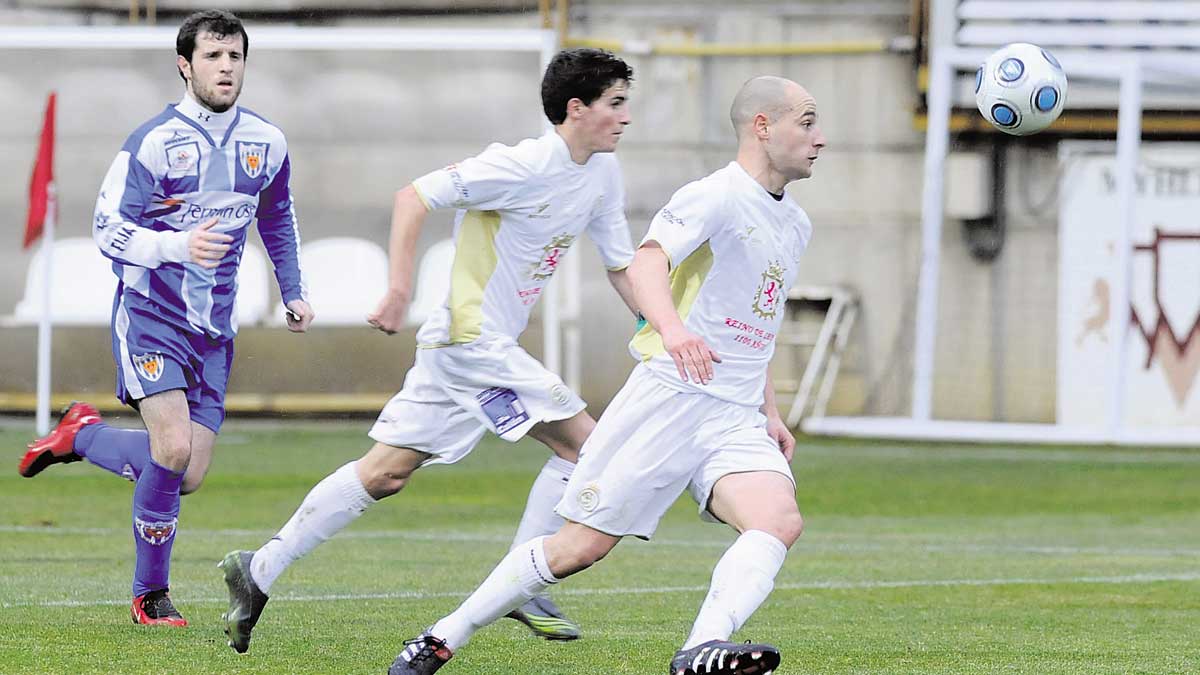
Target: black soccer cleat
[
  {"x": 246, "y": 601},
  {"x": 422, "y": 655},
  {"x": 545, "y": 619},
  {"x": 717, "y": 657}
]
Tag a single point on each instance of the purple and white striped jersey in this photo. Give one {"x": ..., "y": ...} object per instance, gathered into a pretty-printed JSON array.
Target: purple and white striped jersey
[{"x": 183, "y": 167}]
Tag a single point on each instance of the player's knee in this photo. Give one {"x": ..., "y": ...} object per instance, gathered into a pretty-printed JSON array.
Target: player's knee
[
  {"x": 173, "y": 454},
  {"x": 190, "y": 485},
  {"x": 789, "y": 527},
  {"x": 587, "y": 552},
  {"x": 570, "y": 552},
  {"x": 384, "y": 471},
  {"x": 383, "y": 481},
  {"x": 568, "y": 452}
]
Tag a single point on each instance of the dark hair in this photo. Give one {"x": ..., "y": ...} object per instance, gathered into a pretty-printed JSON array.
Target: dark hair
[
  {"x": 216, "y": 21},
  {"x": 579, "y": 73}
]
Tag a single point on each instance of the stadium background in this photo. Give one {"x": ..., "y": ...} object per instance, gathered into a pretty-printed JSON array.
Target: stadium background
[
  {"x": 360, "y": 125},
  {"x": 917, "y": 558},
  {"x": 363, "y": 123}
]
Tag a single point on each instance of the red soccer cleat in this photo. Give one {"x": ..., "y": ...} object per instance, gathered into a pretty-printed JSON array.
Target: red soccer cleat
[
  {"x": 155, "y": 609},
  {"x": 59, "y": 446}
]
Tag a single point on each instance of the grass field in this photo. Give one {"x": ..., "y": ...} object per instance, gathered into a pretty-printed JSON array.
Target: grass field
[{"x": 916, "y": 559}]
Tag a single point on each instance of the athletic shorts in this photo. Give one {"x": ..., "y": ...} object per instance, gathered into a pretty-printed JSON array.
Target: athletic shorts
[
  {"x": 652, "y": 443},
  {"x": 153, "y": 356},
  {"x": 453, "y": 394}
]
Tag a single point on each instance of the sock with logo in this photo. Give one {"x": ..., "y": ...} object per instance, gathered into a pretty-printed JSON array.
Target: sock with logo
[{"x": 155, "y": 517}]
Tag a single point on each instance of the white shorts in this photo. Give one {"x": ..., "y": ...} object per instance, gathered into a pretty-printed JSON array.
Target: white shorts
[
  {"x": 453, "y": 394},
  {"x": 654, "y": 441}
]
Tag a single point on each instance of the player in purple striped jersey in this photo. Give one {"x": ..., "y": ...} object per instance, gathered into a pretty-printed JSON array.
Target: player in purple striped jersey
[{"x": 173, "y": 215}]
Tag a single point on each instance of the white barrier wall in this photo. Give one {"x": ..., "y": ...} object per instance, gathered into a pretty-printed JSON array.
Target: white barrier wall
[{"x": 1162, "y": 361}]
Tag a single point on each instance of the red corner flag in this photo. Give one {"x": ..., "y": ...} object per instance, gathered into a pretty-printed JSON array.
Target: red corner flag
[{"x": 43, "y": 176}]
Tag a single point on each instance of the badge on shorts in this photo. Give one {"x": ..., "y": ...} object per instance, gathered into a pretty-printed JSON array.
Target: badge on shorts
[
  {"x": 503, "y": 408},
  {"x": 589, "y": 497},
  {"x": 560, "y": 394},
  {"x": 149, "y": 366}
]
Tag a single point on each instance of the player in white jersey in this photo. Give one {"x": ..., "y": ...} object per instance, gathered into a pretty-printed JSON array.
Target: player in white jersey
[
  {"x": 519, "y": 209},
  {"x": 698, "y": 412}
]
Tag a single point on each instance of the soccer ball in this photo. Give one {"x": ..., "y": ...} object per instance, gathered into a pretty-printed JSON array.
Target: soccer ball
[{"x": 1020, "y": 89}]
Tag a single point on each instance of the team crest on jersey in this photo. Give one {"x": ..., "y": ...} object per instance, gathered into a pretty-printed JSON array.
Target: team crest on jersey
[
  {"x": 252, "y": 157},
  {"x": 770, "y": 292},
  {"x": 149, "y": 366},
  {"x": 155, "y": 532},
  {"x": 551, "y": 257}
]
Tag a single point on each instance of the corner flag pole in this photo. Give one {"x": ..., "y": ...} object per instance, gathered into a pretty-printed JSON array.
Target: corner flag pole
[
  {"x": 45, "y": 325},
  {"x": 40, "y": 223}
]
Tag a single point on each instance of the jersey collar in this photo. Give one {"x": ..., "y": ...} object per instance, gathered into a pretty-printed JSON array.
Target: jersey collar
[
  {"x": 563, "y": 153},
  {"x": 214, "y": 124}
]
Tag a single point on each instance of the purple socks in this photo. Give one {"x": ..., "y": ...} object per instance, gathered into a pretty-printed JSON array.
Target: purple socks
[
  {"x": 155, "y": 515},
  {"x": 124, "y": 452}
]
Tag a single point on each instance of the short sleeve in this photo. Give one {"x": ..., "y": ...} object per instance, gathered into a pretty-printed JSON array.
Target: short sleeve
[
  {"x": 608, "y": 228},
  {"x": 485, "y": 182},
  {"x": 688, "y": 220}
]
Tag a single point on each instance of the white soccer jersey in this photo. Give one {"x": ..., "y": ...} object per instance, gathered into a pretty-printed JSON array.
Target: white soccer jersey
[
  {"x": 521, "y": 208},
  {"x": 734, "y": 252}
]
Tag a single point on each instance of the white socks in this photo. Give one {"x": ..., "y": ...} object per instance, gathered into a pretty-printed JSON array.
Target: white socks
[
  {"x": 340, "y": 498},
  {"x": 539, "y": 518},
  {"x": 522, "y": 574},
  {"x": 331, "y": 505},
  {"x": 741, "y": 581}
]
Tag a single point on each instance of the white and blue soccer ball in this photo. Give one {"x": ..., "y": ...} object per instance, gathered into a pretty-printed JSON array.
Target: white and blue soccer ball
[{"x": 1020, "y": 89}]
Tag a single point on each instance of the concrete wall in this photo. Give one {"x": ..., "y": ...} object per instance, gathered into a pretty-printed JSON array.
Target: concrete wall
[{"x": 362, "y": 125}]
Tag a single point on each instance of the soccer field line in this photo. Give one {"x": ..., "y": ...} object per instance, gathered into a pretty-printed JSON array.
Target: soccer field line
[
  {"x": 449, "y": 536},
  {"x": 657, "y": 590},
  {"x": 1007, "y": 454}
]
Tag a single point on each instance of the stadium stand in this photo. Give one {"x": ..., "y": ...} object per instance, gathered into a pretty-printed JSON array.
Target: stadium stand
[
  {"x": 343, "y": 276},
  {"x": 433, "y": 278},
  {"x": 81, "y": 293}
]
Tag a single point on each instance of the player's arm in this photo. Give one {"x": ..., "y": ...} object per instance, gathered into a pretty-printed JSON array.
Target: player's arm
[
  {"x": 609, "y": 231},
  {"x": 776, "y": 428},
  {"x": 620, "y": 282},
  {"x": 652, "y": 295},
  {"x": 483, "y": 183},
  {"x": 408, "y": 216},
  {"x": 281, "y": 235},
  {"x": 120, "y": 225}
]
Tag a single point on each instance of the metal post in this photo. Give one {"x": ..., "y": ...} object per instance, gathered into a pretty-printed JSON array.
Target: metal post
[
  {"x": 1129, "y": 123},
  {"x": 937, "y": 139}
]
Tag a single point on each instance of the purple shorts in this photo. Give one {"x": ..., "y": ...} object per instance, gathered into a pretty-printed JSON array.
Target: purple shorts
[{"x": 154, "y": 356}]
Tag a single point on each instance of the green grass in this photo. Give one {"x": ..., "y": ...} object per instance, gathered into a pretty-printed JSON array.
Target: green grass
[{"x": 916, "y": 559}]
